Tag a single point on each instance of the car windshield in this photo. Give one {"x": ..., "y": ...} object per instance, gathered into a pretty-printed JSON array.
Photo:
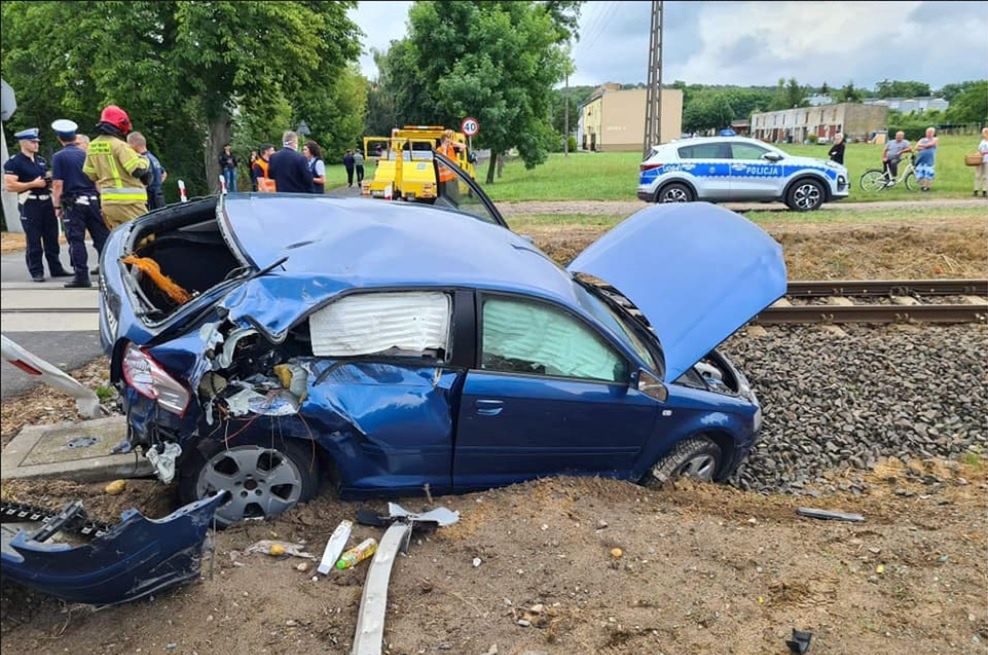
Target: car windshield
[{"x": 617, "y": 323}]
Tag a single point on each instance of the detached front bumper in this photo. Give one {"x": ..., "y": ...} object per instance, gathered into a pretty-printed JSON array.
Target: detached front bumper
[{"x": 138, "y": 557}]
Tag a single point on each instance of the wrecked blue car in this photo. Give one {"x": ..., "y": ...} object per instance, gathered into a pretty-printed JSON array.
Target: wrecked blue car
[
  {"x": 265, "y": 344},
  {"x": 131, "y": 560}
]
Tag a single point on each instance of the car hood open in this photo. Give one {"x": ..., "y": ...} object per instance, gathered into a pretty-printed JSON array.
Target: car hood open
[{"x": 697, "y": 272}]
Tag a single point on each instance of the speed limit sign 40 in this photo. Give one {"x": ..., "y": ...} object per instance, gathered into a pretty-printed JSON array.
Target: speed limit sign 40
[{"x": 470, "y": 126}]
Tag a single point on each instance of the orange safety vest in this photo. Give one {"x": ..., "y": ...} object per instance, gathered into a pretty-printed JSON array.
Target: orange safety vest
[{"x": 446, "y": 175}]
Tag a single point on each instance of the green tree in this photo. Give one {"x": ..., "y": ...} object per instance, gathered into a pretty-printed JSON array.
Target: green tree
[
  {"x": 497, "y": 61},
  {"x": 901, "y": 89},
  {"x": 848, "y": 93},
  {"x": 824, "y": 89},
  {"x": 185, "y": 71},
  {"x": 951, "y": 91},
  {"x": 970, "y": 105},
  {"x": 708, "y": 110}
]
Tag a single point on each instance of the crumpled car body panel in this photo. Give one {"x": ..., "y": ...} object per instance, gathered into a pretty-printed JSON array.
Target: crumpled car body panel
[
  {"x": 698, "y": 272},
  {"x": 140, "y": 556}
]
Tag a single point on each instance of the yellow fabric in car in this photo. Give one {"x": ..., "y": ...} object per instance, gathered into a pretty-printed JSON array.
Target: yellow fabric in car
[{"x": 150, "y": 268}]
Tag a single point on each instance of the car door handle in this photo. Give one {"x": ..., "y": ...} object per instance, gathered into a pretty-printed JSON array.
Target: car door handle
[{"x": 488, "y": 407}]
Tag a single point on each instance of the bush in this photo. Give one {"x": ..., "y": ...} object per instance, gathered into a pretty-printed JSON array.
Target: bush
[
  {"x": 572, "y": 143},
  {"x": 812, "y": 138},
  {"x": 913, "y": 133}
]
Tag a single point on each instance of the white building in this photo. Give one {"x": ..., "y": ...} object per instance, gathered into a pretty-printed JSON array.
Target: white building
[{"x": 911, "y": 105}]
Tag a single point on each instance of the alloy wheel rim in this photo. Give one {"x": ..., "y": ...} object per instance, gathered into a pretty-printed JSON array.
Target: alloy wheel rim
[
  {"x": 700, "y": 467},
  {"x": 674, "y": 195},
  {"x": 807, "y": 196},
  {"x": 262, "y": 482}
]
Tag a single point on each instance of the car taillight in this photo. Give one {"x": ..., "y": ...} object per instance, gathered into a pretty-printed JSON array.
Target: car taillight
[
  {"x": 151, "y": 381},
  {"x": 648, "y": 167}
]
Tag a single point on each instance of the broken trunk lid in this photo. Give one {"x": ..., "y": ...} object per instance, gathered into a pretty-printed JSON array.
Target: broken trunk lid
[
  {"x": 696, "y": 271},
  {"x": 138, "y": 557}
]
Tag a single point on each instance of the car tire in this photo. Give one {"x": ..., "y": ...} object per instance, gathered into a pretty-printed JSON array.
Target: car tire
[
  {"x": 805, "y": 195},
  {"x": 265, "y": 476},
  {"x": 674, "y": 192},
  {"x": 697, "y": 457}
]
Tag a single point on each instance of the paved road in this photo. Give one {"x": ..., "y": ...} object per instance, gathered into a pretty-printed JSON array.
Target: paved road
[{"x": 50, "y": 321}]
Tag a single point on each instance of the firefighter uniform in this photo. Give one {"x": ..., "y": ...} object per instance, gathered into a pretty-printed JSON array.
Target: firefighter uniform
[
  {"x": 79, "y": 202},
  {"x": 112, "y": 164},
  {"x": 36, "y": 211}
]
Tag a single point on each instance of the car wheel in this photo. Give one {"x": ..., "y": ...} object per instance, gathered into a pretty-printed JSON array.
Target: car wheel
[
  {"x": 264, "y": 479},
  {"x": 675, "y": 192},
  {"x": 698, "y": 458},
  {"x": 805, "y": 195}
]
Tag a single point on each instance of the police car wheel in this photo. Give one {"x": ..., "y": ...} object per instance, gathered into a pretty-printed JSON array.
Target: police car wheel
[
  {"x": 675, "y": 193},
  {"x": 805, "y": 195}
]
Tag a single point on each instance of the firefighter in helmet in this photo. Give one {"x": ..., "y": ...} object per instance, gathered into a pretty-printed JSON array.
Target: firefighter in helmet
[{"x": 117, "y": 169}]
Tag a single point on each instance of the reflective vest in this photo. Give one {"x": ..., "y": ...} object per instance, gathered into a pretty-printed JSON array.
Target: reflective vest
[{"x": 111, "y": 164}]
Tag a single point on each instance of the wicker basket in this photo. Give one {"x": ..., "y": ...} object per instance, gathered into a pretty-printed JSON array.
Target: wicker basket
[{"x": 973, "y": 159}]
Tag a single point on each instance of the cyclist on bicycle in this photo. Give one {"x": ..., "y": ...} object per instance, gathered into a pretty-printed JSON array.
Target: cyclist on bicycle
[{"x": 892, "y": 154}]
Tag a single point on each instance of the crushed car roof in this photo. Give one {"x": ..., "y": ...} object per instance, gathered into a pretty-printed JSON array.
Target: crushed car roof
[{"x": 338, "y": 244}]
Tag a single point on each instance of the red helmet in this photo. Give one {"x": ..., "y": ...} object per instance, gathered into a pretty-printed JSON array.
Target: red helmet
[{"x": 116, "y": 117}]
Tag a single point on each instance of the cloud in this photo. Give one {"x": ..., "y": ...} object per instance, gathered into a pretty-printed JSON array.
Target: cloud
[{"x": 758, "y": 42}]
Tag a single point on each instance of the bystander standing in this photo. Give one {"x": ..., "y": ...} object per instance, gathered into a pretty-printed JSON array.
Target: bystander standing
[
  {"x": 228, "y": 168},
  {"x": 158, "y": 174},
  {"x": 316, "y": 166},
  {"x": 348, "y": 165},
  {"x": 289, "y": 169}
]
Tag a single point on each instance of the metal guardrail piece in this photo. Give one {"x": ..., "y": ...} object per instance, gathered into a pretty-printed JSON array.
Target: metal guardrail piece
[
  {"x": 369, "y": 636},
  {"x": 803, "y": 314}
]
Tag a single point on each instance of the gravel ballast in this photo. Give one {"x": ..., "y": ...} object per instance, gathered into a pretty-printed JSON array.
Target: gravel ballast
[{"x": 833, "y": 401}]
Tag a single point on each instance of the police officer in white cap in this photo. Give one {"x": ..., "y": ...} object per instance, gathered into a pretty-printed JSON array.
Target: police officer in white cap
[
  {"x": 25, "y": 174},
  {"x": 77, "y": 202}
]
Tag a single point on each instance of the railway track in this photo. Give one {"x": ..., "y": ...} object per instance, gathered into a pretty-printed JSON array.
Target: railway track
[{"x": 879, "y": 301}]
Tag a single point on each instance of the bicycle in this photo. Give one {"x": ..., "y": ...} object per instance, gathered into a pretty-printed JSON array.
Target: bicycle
[{"x": 876, "y": 179}]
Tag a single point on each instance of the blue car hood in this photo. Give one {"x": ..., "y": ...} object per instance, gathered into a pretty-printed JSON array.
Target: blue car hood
[{"x": 696, "y": 271}]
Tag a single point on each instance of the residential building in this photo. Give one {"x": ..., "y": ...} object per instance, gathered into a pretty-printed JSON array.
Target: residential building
[
  {"x": 613, "y": 119},
  {"x": 857, "y": 122},
  {"x": 911, "y": 105}
]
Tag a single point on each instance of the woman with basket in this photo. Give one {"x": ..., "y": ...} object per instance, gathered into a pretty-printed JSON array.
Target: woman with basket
[{"x": 980, "y": 163}]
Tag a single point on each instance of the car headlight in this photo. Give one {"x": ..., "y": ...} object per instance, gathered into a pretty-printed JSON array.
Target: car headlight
[{"x": 148, "y": 378}]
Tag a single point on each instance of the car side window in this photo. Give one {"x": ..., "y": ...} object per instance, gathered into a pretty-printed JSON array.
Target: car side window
[
  {"x": 400, "y": 324},
  {"x": 520, "y": 336},
  {"x": 706, "y": 151},
  {"x": 747, "y": 151}
]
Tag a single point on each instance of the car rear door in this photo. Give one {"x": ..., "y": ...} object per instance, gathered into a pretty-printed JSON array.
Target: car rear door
[
  {"x": 710, "y": 164},
  {"x": 548, "y": 395},
  {"x": 752, "y": 176}
]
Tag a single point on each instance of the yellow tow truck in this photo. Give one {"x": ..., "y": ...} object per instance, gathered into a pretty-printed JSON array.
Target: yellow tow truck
[{"x": 404, "y": 162}]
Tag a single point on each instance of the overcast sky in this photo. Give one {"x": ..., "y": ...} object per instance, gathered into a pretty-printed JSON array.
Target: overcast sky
[{"x": 758, "y": 42}]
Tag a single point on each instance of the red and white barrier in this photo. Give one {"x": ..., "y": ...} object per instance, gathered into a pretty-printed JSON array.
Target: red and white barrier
[{"x": 86, "y": 400}]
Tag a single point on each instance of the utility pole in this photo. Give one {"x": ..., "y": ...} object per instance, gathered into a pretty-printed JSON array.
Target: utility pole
[
  {"x": 566, "y": 118},
  {"x": 653, "y": 94}
]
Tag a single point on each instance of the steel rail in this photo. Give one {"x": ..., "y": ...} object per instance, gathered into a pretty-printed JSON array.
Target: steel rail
[
  {"x": 864, "y": 288},
  {"x": 833, "y": 314}
]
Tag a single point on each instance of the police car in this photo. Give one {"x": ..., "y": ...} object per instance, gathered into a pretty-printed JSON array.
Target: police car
[{"x": 720, "y": 169}]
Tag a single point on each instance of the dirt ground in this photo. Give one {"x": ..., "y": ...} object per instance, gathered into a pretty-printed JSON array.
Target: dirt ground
[
  {"x": 704, "y": 569},
  {"x": 912, "y": 249}
]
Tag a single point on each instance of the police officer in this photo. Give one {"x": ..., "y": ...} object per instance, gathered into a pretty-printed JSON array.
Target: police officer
[
  {"x": 76, "y": 202},
  {"x": 25, "y": 174}
]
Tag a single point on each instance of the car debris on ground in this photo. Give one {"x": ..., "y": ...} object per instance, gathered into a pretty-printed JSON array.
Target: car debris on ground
[
  {"x": 134, "y": 559},
  {"x": 828, "y": 515}
]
